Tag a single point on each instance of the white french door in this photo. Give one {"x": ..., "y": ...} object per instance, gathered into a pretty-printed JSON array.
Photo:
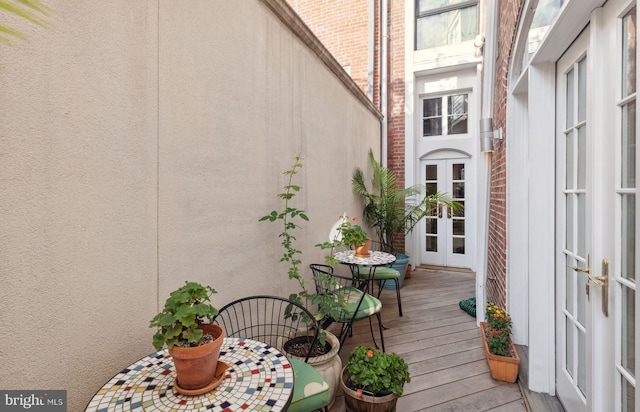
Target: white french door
[
  {"x": 445, "y": 240},
  {"x": 596, "y": 211}
]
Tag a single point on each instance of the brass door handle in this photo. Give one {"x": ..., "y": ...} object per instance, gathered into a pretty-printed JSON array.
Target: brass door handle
[
  {"x": 600, "y": 281},
  {"x": 583, "y": 270}
]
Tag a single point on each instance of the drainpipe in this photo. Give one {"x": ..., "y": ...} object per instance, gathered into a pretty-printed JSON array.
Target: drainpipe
[
  {"x": 384, "y": 40},
  {"x": 371, "y": 49},
  {"x": 488, "y": 83}
]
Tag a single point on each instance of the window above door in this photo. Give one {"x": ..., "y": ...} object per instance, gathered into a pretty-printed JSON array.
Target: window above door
[{"x": 445, "y": 116}]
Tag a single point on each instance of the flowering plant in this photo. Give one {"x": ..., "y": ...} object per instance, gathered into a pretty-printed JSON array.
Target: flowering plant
[
  {"x": 352, "y": 234},
  {"x": 498, "y": 336},
  {"x": 375, "y": 372}
]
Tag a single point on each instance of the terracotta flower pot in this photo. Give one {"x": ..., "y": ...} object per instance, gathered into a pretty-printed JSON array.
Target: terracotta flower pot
[
  {"x": 196, "y": 366},
  {"x": 360, "y": 402},
  {"x": 502, "y": 368},
  {"x": 363, "y": 250}
]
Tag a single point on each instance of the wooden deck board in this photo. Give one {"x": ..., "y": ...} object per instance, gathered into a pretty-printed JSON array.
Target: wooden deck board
[{"x": 441, "y": 344}]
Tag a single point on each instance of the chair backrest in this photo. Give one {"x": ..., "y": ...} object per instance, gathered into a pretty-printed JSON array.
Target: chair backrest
[
  {"x": 273, "y": 320},
  {"x": 340, "y": 288}
]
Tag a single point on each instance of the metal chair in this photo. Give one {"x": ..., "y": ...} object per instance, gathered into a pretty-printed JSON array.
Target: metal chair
[
  {"x": 381, "y": 274},
  {"x": 275, "y": 320},
  {"x": 358, "y": 303}
]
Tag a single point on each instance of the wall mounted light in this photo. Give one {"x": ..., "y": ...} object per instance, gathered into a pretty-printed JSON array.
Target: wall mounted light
[{"x": 487, "y": 134}]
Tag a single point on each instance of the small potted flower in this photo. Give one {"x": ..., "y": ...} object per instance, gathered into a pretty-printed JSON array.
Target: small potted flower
[
  {"x": 193, "y": 343},
  {"x": 501, "y": 354},
  {"x": 352, "y": 234},
  {"x": 373, "y": 377}
]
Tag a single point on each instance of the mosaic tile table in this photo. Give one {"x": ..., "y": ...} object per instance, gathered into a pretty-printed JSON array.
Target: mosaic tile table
[
  {"x": 259, "y": 378},
  {"x": 375, "y": 259}
]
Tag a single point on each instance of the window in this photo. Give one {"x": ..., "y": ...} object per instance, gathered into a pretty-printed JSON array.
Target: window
[
  {"x": 447, "y": 115},
  {"x": 445, "y": 22}
]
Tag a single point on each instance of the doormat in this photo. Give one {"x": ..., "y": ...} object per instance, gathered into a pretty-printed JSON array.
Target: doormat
[{"x": 469, "y": 306}]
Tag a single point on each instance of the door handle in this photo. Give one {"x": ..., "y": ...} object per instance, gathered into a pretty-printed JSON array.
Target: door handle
[
  {"x": 439, "y": 211},
  {"x": 602, "y": 280}
]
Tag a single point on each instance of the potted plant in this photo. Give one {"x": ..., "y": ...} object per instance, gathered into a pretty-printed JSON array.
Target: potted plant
[
  {"x": 372, "y": 380},
  {"x": 193, "y": 344},
  {"x": 500, "y": 351},
  {"x": 394, "y": 211},
  {"x": 352, "y": 235},
  {"x": 324, "y": 356}
]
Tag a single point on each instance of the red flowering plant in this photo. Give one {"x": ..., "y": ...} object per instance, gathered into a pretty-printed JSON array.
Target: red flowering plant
[
  {"x": 376, "y": 373},
  {"x": 352, "y": 233},
  {"x": 499, "y": 333}
]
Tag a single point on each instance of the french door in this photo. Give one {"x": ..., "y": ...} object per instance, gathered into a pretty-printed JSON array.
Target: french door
[
  {"x": 445, "y": 240},
  {"x": 596, "y": 211}
]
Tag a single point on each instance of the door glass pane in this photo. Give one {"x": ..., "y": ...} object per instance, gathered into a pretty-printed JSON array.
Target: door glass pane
[
  {"x": 458, "y": 227},
  {"x": 458, "y": 246},
  {"x": 582, "y": 221},
  {"x": 582, "y": 157},
  {"x": 570, "y": 156},
  {"x": 570, "y": 99},
  {"x": 628, "y": 396},
  {"x": 628, "y": 236},
  {"x": 629, "y": 145},
  {"x": 458, "y": 113},
  {"x": 432, "y": 226},
  {"x": 458, "y": 171},
  {"x": 431, "y": 244},
  {"x": 458, "y": 190},
  {"x": 629, "y": 53},
  {"x": 431, "y": 172},
  {"x": 570, "y": 242},
  {"x": 569, "y": 290},
  {"x": 431, "y": 188},
  {"x": 582, "y": 90},
  {"x": 569, "y": 363},
  {"x": 628, "y": 329},
  {"x": 460, "y": 213},
  {"x": 582, "y": 361}
]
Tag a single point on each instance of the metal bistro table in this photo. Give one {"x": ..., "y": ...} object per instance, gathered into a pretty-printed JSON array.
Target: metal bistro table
[
  {"x": 374, "y": 260},
  {"x": 259, "y": 377}
]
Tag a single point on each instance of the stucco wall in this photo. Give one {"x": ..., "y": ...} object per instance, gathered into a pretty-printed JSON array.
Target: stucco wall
[{"x": 139, "y": 145}]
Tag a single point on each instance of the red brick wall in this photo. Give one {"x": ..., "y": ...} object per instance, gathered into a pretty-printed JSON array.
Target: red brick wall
[
  {"x": 508, "y": 15},
  {"x": 343, "y": 27}
]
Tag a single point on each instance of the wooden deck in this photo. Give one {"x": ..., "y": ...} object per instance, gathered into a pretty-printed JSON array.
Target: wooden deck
[{"x": 442, "y": 346}]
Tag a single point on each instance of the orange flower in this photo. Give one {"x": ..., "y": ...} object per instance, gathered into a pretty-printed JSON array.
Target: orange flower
[
  {"x": 359, "y": 393},
  {"x": 370, "y": 354}
]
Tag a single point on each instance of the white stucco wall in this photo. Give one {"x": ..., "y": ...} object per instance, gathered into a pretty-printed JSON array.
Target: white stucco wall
[{"x": 139, "y": 145}]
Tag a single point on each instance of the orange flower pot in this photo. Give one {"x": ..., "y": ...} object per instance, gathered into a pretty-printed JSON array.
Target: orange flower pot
[{"x": 502, "y": 368}]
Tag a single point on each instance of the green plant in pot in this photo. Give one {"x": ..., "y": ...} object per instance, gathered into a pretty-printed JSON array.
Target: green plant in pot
[
  {"x": 371, "y": 376},
  {"x": 392, "y": 210},
  {"x": 324, "y": 355},
  {"x": 193, "y": 343},
  {"x": 353, "y": 235}
]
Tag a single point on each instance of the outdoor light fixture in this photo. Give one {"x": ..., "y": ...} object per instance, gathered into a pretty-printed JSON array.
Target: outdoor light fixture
[{"x": 487, "y": 134}]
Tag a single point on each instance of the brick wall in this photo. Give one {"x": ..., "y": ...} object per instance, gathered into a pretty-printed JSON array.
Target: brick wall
[
  {"x": 343, "y": 27},
  {"x": 508, "y": 15}
]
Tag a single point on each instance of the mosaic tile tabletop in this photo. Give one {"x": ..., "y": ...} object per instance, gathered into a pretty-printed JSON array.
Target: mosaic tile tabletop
[
  {"x": 377, "y": 258},
  {"x": 259, "y": 378}
]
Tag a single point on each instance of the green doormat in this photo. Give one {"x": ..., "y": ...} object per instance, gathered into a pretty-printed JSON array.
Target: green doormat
[{"x": 469, "y": 306}]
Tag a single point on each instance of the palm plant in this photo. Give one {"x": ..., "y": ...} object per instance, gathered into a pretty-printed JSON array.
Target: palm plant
[
  {"x": 391, "y": 209},
  {"x": 31, "y": 10}
]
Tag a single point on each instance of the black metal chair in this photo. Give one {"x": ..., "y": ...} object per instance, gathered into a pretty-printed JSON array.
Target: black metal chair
[
  {"x": 275, "y": 320},
  {"x": 381, "y": 274},
  {"x": 358, "y": 304}
]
